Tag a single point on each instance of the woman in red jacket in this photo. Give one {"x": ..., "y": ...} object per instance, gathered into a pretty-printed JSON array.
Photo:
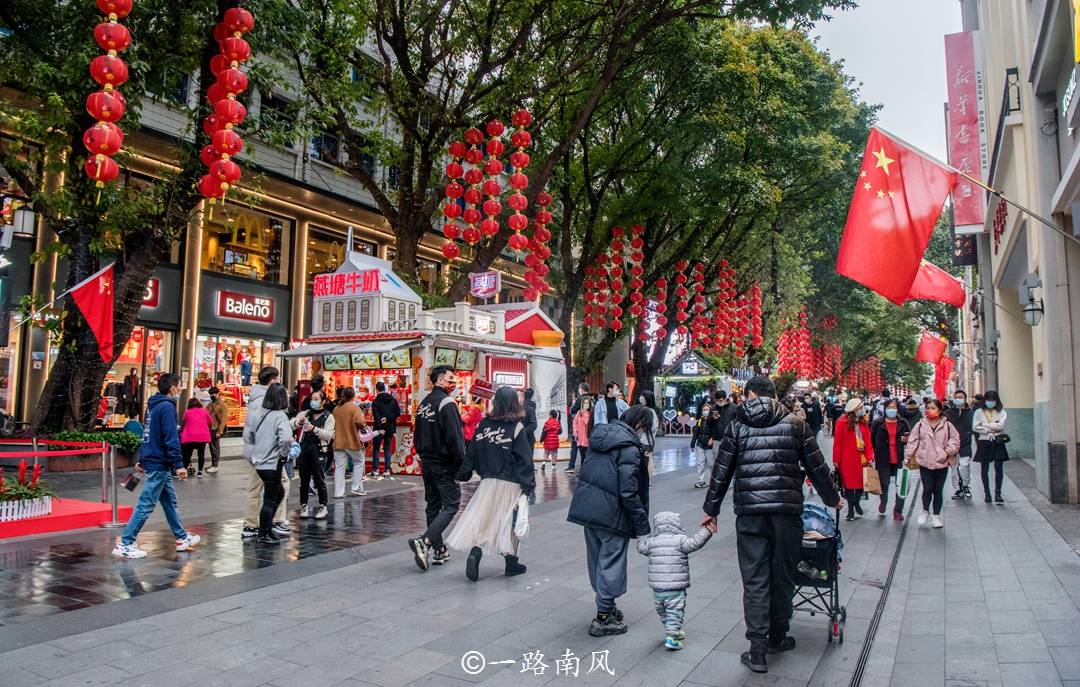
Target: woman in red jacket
[
  {"x": 851, "y": 446},
  {"x": 550, "y": 434}
]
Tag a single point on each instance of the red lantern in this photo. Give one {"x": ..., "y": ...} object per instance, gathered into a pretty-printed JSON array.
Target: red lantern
[
  {"x": 104, "y": 138},
  {"x": 458, "y": 150},
  {"x": 210, "y": 187},
  {"x": 520, "y": 160},
  {"x": 454, "y": 190},
  {"x": 489, "y": 227},
  {"x": 215, "y": 93},
  {"x": 493, "y": 167},
  {"x": 211, "y": 125},
  {"x": 105, "y": 106},
  {"x": 112, "y": 36},
  {"x": 225, "y": 171},
  {"x": 227, "y": 142},
  {"x": 517, "y": 241},
  {"x": 544, "y": 199},
  {"x": 108, "y": 70},
  {"x": 451, "y": 211},
  {"x": 542, "y": 234},
  {"x": 207, "y": 155},
  {"x": 471, "y": 215},
  {"x": 495, "y": 147},
  {"x": 229, "y": 111},
  {"x": 238, "y": 20},
  {"x": 120, "y": 8},
  {"x": 451, "y": 231},
  {"x": 450, "y": 250},
  {"x": 220, "y": 33},
  {"x": 518, "y": 223},
  {"x": 521, "y": 139},
  {"x": 233, "y": 81},
  {"x": 235, "y": 49},
  {"x": 474, "y": 176},
  {"x": 102, "y": 169},
  {"x": 454, "y": 170},
  {"x": 471, "y": 234},
  {"x": 519, "y": 181},
  {"x": 474, "y": 136},
  {"x": 521, "y": 118}
]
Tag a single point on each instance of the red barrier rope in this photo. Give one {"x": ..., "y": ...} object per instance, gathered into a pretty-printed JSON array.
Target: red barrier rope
[
  {"x": 46, "y": 454},
  {"x": 51, "y": 442}
]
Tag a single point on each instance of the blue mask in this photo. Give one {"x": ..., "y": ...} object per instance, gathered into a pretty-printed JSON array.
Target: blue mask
[
  {"x": 316, "y": 405},
  {"x": 990, "y": 404},
  {"x": 890, "y": 412},
  {"x": 958, "y": 402}
]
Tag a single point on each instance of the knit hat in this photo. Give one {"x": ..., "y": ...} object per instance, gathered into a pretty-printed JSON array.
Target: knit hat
[{"x": 853, "y": 405}]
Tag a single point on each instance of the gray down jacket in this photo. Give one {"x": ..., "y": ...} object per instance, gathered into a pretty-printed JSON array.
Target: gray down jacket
[{"x": 668, "y": 549}]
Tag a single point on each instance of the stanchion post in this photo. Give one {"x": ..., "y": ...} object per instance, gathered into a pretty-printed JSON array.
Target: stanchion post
[
  {"x": 104, "y": 473},
  {"x": 113, "y": 494},
  {"x": 33, "y": 443}
]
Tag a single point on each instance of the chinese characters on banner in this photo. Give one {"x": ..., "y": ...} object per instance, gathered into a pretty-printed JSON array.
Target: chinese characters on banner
[
  {"x": 366, "y": 281},
  {"x": 967, "y": 147}
]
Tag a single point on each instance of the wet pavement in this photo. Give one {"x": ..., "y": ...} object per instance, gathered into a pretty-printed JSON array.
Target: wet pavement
[{"x": 50, "y": 574}]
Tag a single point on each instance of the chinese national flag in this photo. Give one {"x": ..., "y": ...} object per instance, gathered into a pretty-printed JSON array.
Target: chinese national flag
[
  {"x": 94, "y": 298},
  {"x": 935, "y": 284},
  {"x": 897, "y": 200},
  {"x": 942, "y": 373},
  {"x": 931, "y": 348}
]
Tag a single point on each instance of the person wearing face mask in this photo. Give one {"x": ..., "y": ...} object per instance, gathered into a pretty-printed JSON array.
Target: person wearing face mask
[
  {"x": 962, "y": 417},
  {"x": 701, "y": 443},
  {"x": 933, "y": 444},
  {"x": 610, "y": 407},
  {"x": 888, "y": 436},
  {"x": 851, "y": 450},
  {"x": 316, "y": 426},
  {"x": 988, "y": 423},
  {"x": 440, "y": 442}
]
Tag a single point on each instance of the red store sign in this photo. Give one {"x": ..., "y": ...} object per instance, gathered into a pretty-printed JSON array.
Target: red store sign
[
  {"x": 349, "y": 284},
  {"x": 152, "y": 292},
  {"x": 241, "y": 306}
]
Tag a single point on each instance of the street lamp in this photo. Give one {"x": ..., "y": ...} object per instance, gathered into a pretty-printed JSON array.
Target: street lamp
[{"x": 1033, "y": 307}]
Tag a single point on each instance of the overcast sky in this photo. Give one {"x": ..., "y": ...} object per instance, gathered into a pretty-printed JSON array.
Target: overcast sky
[{"x": 895, "y": 50}]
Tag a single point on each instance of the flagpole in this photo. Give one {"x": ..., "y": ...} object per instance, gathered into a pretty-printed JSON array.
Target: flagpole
[
  {"x": 979, "y": 183},
  {"x": 33, "y": 312}
]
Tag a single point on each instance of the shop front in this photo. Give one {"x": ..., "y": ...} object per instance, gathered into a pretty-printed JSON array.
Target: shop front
[{"x": 243, "y": 326}]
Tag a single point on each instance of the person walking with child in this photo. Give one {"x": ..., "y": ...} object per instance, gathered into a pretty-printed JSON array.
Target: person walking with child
[
  {"x": 550, "y": 434},
  {"x": 669, "y": 549}
]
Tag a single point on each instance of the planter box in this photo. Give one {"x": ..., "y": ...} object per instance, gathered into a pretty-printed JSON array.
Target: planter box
[
  {"x": 83, "y": 463},
  {"x": 20, "y": 510}
]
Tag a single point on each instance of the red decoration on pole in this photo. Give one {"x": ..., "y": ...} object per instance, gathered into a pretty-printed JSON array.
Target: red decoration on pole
[{"x": 107, "y": 105}]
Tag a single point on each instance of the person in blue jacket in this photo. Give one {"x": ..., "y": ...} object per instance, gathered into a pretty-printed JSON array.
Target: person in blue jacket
[{"x": 159, "y": 458}]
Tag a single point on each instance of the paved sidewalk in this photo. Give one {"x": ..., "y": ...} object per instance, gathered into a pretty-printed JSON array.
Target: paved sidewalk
[{"x": 989, "y": 600}]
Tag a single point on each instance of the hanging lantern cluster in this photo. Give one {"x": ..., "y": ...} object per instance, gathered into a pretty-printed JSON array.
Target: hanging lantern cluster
[
  {"x": 804, "y": 352},
  {"x": 616, "y": 273},
  {"x": 222, "y": 171},
  {"x": 596, "y": 293},
  {"x": 635, "y": 257},
  {"x": 107, "y": 105},
  {"x": 742, "y": 324},
  {"x": 682, "y": 297},
  {"x": 755, "y": 316},
  {"x": 699, "y": 326},
  {"x": 864, "y": 375},
  {"x": 659, "y": 308},
  {"x": 539, "y": 252}
]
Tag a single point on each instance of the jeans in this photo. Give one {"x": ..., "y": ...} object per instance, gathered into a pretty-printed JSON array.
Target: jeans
[
  {"x": 768, "y": 547},
  {"x": 273, "y": 494},
  {"x": 442, "y": 494},
  {"x": 671, "y": 607},
  {"x": 705, "y": 459},
  {"x": 310, "y": 465},
  {"x": 342, "y": 456},
  {"x": 999, "y": 476},
  {"x": 606, "y": 555},
  {"x": 157, "y": 488},
  {"x": 384, "y": 441},
  {"x": 933, "y": 485},
  {"x": 190, "y": 447},
  {"x": 574, "y": 448}
]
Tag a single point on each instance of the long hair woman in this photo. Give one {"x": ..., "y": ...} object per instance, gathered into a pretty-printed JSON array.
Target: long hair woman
[
  {"x": 272, "y": 439},
  {"x": 851, "y": 447},
  {"x": 501, "y": 453},
  {"x": 888, "y": 436},
  {"x": 990, "y": 437}
]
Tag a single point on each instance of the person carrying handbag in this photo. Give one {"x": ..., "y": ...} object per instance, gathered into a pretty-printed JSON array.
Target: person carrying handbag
[
  {"x": 933, "y": 444},
  {"x": 316, "y": 427},
  {"x": 271, "y": 442},
  {"x": 990, "y": 439}
]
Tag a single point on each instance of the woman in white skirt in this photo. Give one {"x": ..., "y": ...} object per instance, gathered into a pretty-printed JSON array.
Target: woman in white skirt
[{"x": 501, "y": 453}]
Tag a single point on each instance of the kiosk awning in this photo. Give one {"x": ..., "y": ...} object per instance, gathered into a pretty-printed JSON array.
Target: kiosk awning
[
  {"x": 470, "y": 345},
  {"x": 331, "y": 348}
]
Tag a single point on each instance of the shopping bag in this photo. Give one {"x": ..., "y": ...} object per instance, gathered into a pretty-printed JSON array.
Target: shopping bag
[
  {"x": 903, "y": 480},
  {"x": 871, "y": 481},
  {"x": 521, "y": 525}
]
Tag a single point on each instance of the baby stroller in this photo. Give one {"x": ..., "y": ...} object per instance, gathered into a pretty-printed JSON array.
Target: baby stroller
[{"x": 817, "y": 576}]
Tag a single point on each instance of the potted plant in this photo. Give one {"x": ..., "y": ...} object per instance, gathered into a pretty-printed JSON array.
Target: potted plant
[
  {"x": 24, "y": 498},
  {"x": 125, "y": 443}
]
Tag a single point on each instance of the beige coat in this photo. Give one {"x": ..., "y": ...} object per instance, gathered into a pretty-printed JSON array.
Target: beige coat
[{"x": 933, "y": 447}]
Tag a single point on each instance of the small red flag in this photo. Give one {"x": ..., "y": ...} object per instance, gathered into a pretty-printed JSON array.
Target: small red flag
[
  {"x": 94, "y": 298},
  {"x": 931, "y": 348},
  {"x": 897, "y": 200},
  {"x": 942, "y": 372},
  {"x": 935, "y": 284}
]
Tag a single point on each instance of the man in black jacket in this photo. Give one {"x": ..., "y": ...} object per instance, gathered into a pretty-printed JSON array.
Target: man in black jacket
[
  {"x": 768, "y": 451},
  {"x": 440, "y": 443},
  {"x": 726, "y": 409},
  {"x": 384, "y": 414},
  {"x": 962, "y": 416}
]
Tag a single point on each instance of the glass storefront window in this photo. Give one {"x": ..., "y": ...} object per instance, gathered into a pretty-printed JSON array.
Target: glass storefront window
[
  {"x": 149, "y": 353},
  {"x": 9, "y": 366},
  {"x": 232, "y": 364},
  {"x": 244, "y": 243},
  {"x": 326, "y": 252}
]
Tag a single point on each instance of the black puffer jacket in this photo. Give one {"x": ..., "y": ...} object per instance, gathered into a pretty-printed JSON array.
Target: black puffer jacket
[
  {"x": 767, "y": 450},
  {"x": 613, "y": 484},
  {"x": 500, "y": 450}
]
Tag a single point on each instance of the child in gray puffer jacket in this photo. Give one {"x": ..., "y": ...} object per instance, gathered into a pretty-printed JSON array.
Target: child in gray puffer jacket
[{"x": 669, "y": 549}]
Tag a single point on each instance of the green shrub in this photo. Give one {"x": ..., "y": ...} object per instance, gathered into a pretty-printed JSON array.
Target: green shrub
[{"x": 125, "y": 442}]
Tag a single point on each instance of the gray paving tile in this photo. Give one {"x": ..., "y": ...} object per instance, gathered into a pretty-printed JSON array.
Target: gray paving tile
[
  {"x": 1013, "y": 622},
  {"x": 1021, "y": 648},
  {"x": 1029, "y": 674},
  {"x": 1067, "y": 660}
]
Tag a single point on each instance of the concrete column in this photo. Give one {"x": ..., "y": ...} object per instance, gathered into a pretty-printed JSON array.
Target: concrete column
[
  {"x": 189, "y": 304},
  {"x": 37, "y": 341},
  {"x": 297, "y": 287}
]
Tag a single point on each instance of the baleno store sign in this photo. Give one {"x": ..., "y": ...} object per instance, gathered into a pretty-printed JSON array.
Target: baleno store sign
[{"x": 241, "y": 306}]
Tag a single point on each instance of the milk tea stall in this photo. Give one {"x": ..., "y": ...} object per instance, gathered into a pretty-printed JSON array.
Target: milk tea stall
[{"x": 369, "y": 326}]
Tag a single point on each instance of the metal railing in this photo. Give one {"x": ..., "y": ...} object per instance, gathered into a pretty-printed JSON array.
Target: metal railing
[{"x": 1010, "y": 102}]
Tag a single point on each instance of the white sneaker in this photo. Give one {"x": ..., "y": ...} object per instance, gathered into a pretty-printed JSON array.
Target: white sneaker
[
  {"x": 128, "y": 551},
  {"x": 281, "y": 528},
  {"x": 211, "y": 470},
  {"x": 187, "y": 542},
  {"x": 358, "y": 492},
  {"x": 936, "y": 522},
  {"x": 923, "y": 517},
  {"x": 321, "y": 513},
  {"x": 304, "y": 512}
]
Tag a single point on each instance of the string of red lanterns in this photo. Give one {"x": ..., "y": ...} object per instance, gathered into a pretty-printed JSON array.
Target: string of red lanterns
[
  {"x": 107, "y": 105},
  {"x": 222, "y": 171}
]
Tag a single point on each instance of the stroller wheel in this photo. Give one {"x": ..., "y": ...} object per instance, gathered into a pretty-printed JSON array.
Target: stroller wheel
[{"x": 830, "y": 628}]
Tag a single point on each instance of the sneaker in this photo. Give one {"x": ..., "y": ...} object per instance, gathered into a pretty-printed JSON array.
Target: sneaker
[
  {"x": 199, "y": 473},
  {"x": 378, "y": 478},
  {"x": 897, "y": 516},
  {"x": 618, "y": 615},
  {"x": 755, "y": 661},
  {"x": 358, "y": 492},
  {"x": 958, "y": 495},
  {"x": 987, "y": 498},
  {"x": 881, "y": 507},
  {"x": 672, "y": 643},
  {"x": 610, "y": 626},
  {"x": 304, "y": 511},
  {"x": 268, "y": 539},
  {"x": 321, "y": 513},
  {"x": 967, "y": 493},
  {"x": 850, "y": 516},
  {"x": 420, "y": 553},
  {"x": 248, "y": 532},
  {"x": 785, "y": 644},
  {"x": 699, "y": 485},
  {"x": 923, "y": 518},
  {"x": 281, "y": 528},
  {"x": 999, "y": 499},
  {"x": 543, "y": 467},
  {"x": 936, "y": 522},
  {"x": 211, "y": 470},
  {"x": 187, "y": 542},
  {"x": 128, "y": 551},
  {"x": 440, "y": 556},
  {"x": 569, "y": 471}
]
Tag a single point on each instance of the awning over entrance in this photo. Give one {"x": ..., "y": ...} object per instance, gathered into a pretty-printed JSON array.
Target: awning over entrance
[
  {"x": 487, "y": 347},
  {"x": 331, "y": 348}
]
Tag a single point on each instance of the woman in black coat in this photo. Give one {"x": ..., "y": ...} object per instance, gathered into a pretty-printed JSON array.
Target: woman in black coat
[{"x": 888, "y": 436}]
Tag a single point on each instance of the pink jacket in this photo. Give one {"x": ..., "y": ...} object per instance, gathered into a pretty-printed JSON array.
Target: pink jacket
[
  {"x": 581, "y": 428},
  {"x": 933, "y": 448},
  {"x": 196, "y": 427}
]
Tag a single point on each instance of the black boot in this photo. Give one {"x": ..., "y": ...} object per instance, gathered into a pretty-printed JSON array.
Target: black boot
[
  {"x": 472, "y": 564},
  {"x": 513, "y": 567}
]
